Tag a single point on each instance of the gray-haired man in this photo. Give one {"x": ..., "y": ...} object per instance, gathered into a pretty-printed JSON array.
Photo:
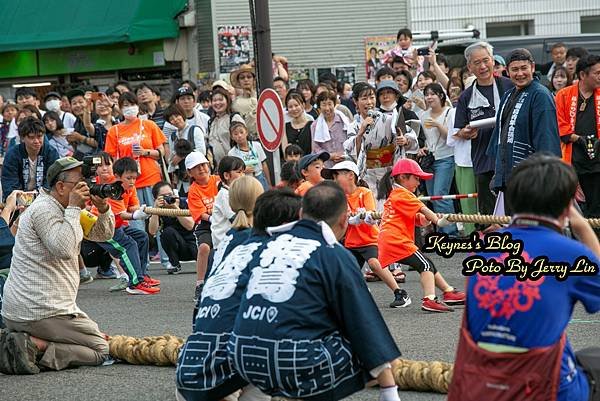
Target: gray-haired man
[
  {"x": 480, "y": 101},
  {"x": 47, "y": 328}
]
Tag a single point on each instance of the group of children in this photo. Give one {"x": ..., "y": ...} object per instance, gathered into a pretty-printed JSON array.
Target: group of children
[{"x": 392, "y": 239}]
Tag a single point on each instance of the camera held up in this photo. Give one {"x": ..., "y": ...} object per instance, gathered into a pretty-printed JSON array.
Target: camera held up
[{"x": 88, "y": 169}]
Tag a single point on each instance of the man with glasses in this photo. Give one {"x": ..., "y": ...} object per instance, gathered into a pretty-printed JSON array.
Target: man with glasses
[
  {"x": 46, "y": 327},
  {"x": 26, "y": 165}
]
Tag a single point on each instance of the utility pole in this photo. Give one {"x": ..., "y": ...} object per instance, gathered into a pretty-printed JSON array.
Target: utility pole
[
  {"x": 261, "y": 30},
  {"x": 261, "y": 36}
]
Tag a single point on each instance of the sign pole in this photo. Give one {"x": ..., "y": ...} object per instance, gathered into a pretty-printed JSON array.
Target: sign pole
[{"x": 261, "y": 29}]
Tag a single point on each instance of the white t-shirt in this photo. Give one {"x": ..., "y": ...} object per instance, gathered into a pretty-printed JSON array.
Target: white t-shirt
[
  {"x": 462, "y": 147},
  {"x": 252, "y": 158},
  {"x": 68, "y": 121},
  {"x": 221, "y": 214},
  {"x": 434, "y": 140}
]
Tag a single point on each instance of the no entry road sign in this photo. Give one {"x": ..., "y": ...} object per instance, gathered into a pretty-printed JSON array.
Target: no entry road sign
[{"x": 269, "y": 119}]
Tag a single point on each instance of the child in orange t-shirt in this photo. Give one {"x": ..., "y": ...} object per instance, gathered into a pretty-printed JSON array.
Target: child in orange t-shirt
[
  {"x": 128, "y": 244},
  {"x": 201, "y": 197},
  {"x": 362, "y": 232},
  {"x": 402, "y": 210},
  {"x": 310, "y": 167}
]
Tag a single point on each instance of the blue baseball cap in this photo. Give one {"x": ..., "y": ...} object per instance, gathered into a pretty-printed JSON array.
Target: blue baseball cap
[{"x": 306, "y": 160}]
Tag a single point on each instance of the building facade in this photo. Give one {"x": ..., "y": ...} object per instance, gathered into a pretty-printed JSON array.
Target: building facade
[
  {"x": 314, "y": 35},
  {"x": 508, "y": 18}
]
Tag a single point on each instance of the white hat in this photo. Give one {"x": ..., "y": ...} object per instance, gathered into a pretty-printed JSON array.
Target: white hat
[
  {"x": 223, "y": 84},
  {"x": 327, "y": 173},
  {"x": 193, "y": 159}
]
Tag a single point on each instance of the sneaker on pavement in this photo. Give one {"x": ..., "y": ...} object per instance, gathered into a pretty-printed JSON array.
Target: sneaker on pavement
[
  {"x": 106, "y": 274},
  {"x": 121, "y": 285},
  {"x": 151, "y": 281},
  {"x": 371, "y": 277},
  {"x": 401, "y": 299},
  {"x": 142, "y": 288},
  {"x": 454, "y": 297},
  {"x": 85, "y": 276},
  {"x": 435, "y": 305},
  {"x": 198, "y": 292},
  {"x": 399, "y": 275},
  {"x": 173, "y": 269}
]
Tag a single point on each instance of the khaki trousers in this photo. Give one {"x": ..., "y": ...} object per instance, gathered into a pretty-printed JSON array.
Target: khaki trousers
[{"x": 73, "y": 340}]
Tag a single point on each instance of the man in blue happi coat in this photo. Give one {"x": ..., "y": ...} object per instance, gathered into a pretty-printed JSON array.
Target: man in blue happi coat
[
  {"x": 526, "y": 121},
  {"x": 306, "y": 312}
]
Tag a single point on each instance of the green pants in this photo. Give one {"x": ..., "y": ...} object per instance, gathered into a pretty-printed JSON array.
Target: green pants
[{"x": 465, "y": 181}]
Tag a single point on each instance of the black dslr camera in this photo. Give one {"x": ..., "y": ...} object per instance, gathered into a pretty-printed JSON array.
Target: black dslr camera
[
  {"x": 170, "y": 199},
  {"x": 88, "y": 169}
]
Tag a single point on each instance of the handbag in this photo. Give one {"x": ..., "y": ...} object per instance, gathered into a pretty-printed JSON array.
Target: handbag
[{"x": 426, "y": 162}]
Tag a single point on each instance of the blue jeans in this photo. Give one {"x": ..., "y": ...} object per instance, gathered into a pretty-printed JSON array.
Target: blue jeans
[
  {"x": 443, "y": 174},
  {"x": 263, "y": 180},
  {"x": 145, "y": 197}
]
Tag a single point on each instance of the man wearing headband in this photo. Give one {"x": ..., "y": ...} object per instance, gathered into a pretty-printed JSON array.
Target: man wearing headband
[{"x": 526, "y": 120}]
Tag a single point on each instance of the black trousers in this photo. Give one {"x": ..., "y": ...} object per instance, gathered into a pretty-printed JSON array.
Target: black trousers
[
  {"x": 177, "y": 247},
  {"x": 94, "y": 255},
  {"x": 590, "y": 184},
  {"x": 485, "y": 198}
]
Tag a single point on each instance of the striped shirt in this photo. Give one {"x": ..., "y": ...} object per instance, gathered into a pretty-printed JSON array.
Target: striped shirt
[{"x": 44, "y": 273}]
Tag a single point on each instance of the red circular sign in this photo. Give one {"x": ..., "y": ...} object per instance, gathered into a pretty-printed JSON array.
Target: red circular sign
[{"x": 269, "y": 119}]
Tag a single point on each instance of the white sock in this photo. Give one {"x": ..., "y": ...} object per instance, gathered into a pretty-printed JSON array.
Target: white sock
[
  {"x": 198, "y": 282},
  {"x": 449, "y": 289},
  {"x": 389, "y": 394},
  {"x": 431, "y": 297}
]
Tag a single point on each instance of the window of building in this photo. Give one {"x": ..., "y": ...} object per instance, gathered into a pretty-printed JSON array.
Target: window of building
[
  {"x": 513, "y": 28},
  {"x": 590, "y": 24}
]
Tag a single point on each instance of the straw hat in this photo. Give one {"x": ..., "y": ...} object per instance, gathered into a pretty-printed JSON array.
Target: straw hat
[{"x": 233, "y": 77}]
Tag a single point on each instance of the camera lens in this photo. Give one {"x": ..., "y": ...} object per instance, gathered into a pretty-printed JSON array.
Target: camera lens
[{"x": 113, "y": 191}]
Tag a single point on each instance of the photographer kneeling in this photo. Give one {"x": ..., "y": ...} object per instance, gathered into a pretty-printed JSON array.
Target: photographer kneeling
[
  {"x": 177, "y": 233},
  {"x": 47, "y": 328}
]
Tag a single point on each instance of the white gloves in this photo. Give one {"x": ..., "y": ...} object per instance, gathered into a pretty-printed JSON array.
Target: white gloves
[
  {"x": 369, "y": 219},
  {"x": 354, "y": 220},
  {"x": 140, "y": 214},
  {"x": 389, "y": 394},
  {"x": 443, "y": 222}
]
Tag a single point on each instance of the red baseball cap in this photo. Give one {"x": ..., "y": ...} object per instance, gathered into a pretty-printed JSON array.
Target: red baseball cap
[{"x": 409, "y": 166}]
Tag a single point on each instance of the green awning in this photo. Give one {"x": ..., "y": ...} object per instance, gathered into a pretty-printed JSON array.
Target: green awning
[{"x": 47, "y": 24}]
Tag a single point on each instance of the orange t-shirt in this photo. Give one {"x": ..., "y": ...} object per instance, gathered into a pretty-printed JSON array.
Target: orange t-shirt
[
  {"x": 361, "y": 234},
  {"x": 302, "y": 188},
  {"x": 119, "y": 143},
  {"x": 202, "y": 197},
  {"x": 397, "y": 231}
]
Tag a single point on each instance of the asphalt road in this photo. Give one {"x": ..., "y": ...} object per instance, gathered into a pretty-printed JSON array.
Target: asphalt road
[{"x": 419, "y": 335}]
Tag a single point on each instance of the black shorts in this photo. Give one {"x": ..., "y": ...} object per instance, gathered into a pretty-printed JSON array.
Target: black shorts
[
  {"x": 419, "y": 262},
  {"x": 203, "y": 236},
  {"x": 364, "y": 253}
]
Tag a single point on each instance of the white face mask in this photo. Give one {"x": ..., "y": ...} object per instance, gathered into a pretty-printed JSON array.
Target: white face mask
[
  {"x": 53, "y": 105},
  {"x": 130, "y": 112}
]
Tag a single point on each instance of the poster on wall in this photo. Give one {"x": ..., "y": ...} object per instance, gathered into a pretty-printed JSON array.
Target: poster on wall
[
  {"x": 234, "y": 46},
  {"x": 346, "y": 73},
  {"x": 375, "y": 47}
]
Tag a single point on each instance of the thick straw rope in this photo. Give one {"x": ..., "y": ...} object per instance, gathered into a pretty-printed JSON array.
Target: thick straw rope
[
  {"x": 163, "y": 351},
  {"x": 455, "y": 217},
  {"x": 166, "y": 212}
]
